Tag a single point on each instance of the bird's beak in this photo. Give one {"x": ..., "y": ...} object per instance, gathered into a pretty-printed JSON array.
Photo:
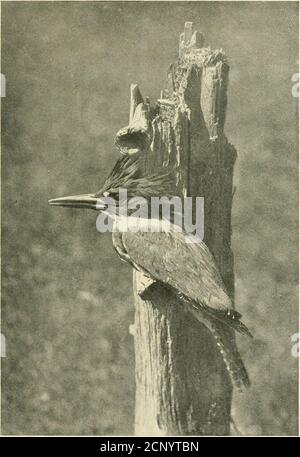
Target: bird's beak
[{"x": 79, "y": 201}]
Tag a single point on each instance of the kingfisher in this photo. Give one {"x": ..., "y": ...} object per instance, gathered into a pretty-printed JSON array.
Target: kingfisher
[{"x": 167, "y": 259}]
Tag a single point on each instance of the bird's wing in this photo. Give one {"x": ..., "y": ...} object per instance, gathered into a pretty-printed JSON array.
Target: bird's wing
[{"x": 188, "y": 267}]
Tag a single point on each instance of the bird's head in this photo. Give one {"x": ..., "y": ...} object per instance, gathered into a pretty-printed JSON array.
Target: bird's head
[{"x": 126, "y": 175}]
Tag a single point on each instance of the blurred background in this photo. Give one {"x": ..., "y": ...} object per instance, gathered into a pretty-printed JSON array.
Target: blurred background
[{"x": 66, "y": 297}]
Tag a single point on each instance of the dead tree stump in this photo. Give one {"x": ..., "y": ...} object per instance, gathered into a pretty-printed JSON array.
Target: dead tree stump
[{"x": 182, "y": 387}]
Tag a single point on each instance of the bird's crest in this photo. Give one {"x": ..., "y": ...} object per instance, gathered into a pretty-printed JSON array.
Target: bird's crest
[{"x": 127, "y": 174}]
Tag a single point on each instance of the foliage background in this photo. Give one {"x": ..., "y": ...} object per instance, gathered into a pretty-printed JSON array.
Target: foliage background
[{"x": 66, "y": 297}]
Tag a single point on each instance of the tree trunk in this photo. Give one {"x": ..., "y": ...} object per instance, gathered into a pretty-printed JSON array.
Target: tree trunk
[{"x": 182, "y": 386}]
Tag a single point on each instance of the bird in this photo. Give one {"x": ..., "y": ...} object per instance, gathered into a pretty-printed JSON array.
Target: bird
[{"x": 188, "y": 270}]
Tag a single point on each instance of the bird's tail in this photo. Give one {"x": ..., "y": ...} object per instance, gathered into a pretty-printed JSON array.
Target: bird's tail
[
  {"x": 226, "y": 344},
  {"x": 231, "y": 318},
  {"x": 221, "y": 325}
]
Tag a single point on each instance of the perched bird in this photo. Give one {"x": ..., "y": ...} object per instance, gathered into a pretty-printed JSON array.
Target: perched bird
[{"x": 188, "y": 269}]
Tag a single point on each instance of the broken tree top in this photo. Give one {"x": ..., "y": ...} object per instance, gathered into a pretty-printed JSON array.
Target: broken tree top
[
  {"x": 200, "y": 74},
  {"x": 192, "y": 50}
]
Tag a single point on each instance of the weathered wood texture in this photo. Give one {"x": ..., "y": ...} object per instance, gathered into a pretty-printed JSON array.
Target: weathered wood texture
[{"x": 182, "y": 387}]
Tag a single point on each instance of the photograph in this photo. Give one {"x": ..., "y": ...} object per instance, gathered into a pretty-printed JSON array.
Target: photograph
[{"x": 149, "y": 222}]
